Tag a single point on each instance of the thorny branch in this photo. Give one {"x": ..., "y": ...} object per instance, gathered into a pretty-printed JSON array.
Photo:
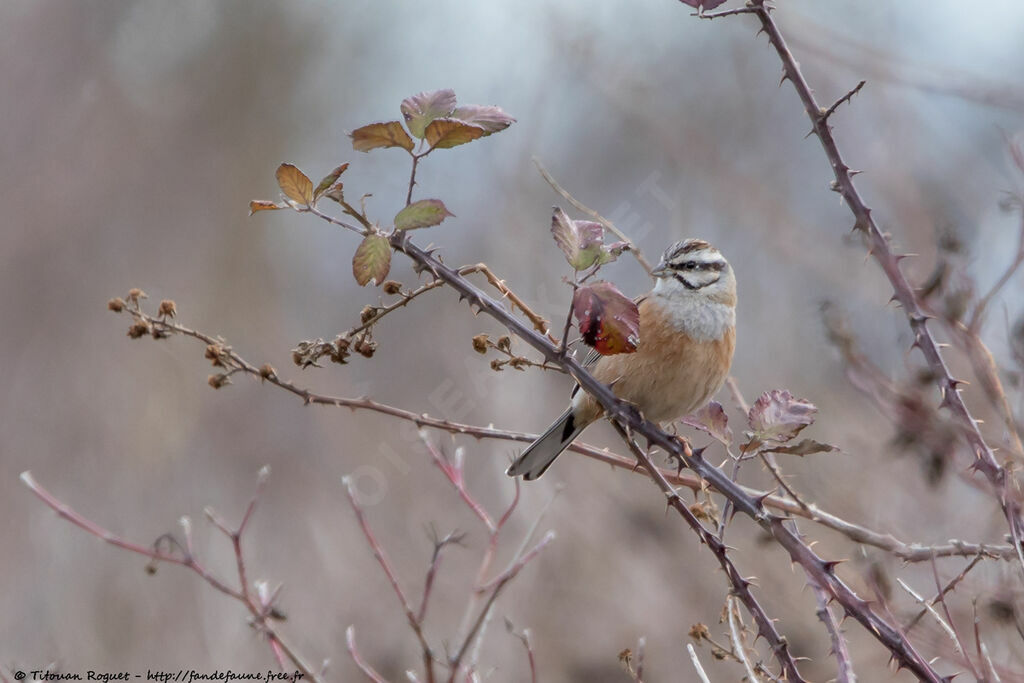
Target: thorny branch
[{"x": 909, "y": 552}]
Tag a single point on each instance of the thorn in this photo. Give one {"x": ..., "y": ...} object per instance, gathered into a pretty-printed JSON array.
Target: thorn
[
  {"x": 759, "y": 500},
  {"x": 830, "y": 565},
  {"x": 698, "y": 453},
  {"x": 853, "y": 172},
  {"x": 783, "y": 79},
  {"x": 954, "y": 382}
]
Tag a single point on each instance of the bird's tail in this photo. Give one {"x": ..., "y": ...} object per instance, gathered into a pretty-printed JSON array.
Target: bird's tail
[{"x": 542, "y": 452}]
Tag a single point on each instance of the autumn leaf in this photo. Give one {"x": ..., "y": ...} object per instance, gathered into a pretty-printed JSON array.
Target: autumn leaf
[
  {"x": 295, "y": 185},
  {"x": 777, "y": 417},
  {"x": 607, "y": 320},
  {"x": 328, "y": 180},
  {"x": 706, "y": 4},
  {"x": 389, "y": 134},
  {"x": 447, "y": 133},
  {"x": 805, "y": 447},
  {"x": 372, "y": 259},
  {"x": 712, "y": 420},
  {"x": 582, "y": 242},
  {"x": 491, "y": 119},
  {"x": 422, "y": 214},
  {"x": 422, "y": 108},
  {"x": 336, "y": 192},
  {"x": 262, "y": 205}
]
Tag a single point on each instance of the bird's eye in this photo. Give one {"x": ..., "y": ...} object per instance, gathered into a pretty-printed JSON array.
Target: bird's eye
[{"x": 690, "y": 265}]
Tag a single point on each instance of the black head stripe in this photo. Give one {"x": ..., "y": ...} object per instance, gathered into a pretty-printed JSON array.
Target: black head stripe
[{"x": 689, "y": 285}]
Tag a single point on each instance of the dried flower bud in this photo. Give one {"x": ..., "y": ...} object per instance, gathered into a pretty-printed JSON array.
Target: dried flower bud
[
  {"x": 138, "y": 329},
  {"x": 267, "y": 371},
  {"x": 116, "y": 305},
  {"x": 391, "y": 287},
  {"x": 298, "y": 358},
  {"x": 217, "y": 381},
  {"x": 480, "y": 343},
  {"x": 497, "y": 365},
  {"x": 519, "y": 363},
  {"x": 699, "y": 631},
  {"x": 159, "y": 332},
  {"x": 366, "y": 347},
  {"x": 167, "y": 308},
  {"x": 367, "y": 313},
  {"x": 504, "y": 343},
  {"x": 215, "y": 354},
  {"x": 342, "y": 342},
  {"x": 134, "y": 294}
]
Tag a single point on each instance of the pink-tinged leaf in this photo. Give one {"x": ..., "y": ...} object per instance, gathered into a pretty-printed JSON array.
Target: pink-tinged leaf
[
  {"x": 447, "y": 133},
  {"x": 712, "y": 420},
  {"x": 388, "y": 134},
  {"x": 372, "y": 260},
  {"x": 422, "y": 214},
  {"x": 328, "y": 180},
  {"x": 491, "y": 119},
  {"x": 295, "y": 185},
  {"x": 805, "y": 447},
  {"x": 779, "y": 416},
  {"x": 261, "y": 205},
  {"x": 422, "y": 108},
  {"x": 607, "y": 320},
  {"x": 582, "y": 242}
]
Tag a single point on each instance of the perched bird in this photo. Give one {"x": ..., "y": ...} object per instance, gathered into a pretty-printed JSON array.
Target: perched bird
[{"x": 687, "y": 337}]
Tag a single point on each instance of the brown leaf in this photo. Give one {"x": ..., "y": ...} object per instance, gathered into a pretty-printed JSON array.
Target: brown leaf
[
  {"x": 328, "y": 180},
  {"x": 372, "y": 259},
  {"x": 607, "y": 320},
  {"x": 422, "y": 108},
  {"x": 805, "y": 447},
  {"x": 422, "y": 214},
  {"x": 336, "y": 192},
  {"x": 262, "y": 205},
  {"x": 707, "y": 4},
  {"x": 712, "y": 420},
  {"x": 295, "y": 185},
  {"x": 491, "y": 119},
  {"x": 389, "y": 134},
  {"x": 778, "y": 416},
  {"x": 447, "y": 133}
]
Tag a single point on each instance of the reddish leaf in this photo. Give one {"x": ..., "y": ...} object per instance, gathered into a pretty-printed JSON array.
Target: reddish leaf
[
  {"x": 262, "y": 205},
  {"x": 389, "y": 134},
  {"x": 712, "y": 420},
  {"x": 295, "y": 185},
  {"x": 778, "y": 416},
  {"x": 582, "y": 242},
  {"x": 422, "y": 214},
  {"x": 372, "y": 259},
  {"x": 706, "y": 4},
  {"x": 447, "y": 133},
  {"x": 328, "y": 180},
  {"x": 805, "y": 447},
  {"x": 607, "y": 320},
  {"x": 422, "y": 108},
  {"x": 491, "y": 119}
]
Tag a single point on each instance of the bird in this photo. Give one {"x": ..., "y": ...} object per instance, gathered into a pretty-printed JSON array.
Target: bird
[{"x": 683, "y": 353}]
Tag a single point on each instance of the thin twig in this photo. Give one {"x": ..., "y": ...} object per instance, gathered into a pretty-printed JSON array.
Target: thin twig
[
  {"x": 737, "y": 640},
  {"x": 840, "y": 650},
  {"x": 696, "y": 663},
  {"x": 580, "y": 206},
  {"x": 350, "y": 640}
]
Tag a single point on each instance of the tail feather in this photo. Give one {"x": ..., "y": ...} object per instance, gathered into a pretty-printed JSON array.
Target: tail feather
[{"x": 536, "y": 459}]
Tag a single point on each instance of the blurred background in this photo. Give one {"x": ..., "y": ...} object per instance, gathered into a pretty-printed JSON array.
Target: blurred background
[{"x": 135, "y": 133}]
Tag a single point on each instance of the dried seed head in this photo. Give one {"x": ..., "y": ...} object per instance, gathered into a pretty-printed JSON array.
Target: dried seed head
[
  {"x": 367, "y": 313},
  {"x": 480, "y": 343},
  {"x": 215, "y": 354},
  {"x": 267, "y": 371},
  {"x": 167, "y": 308},
  {"x": 116, "y": 305},
  {"x": 138, "y": 329},
  {"x": 219, "y": 380},
  {"x": 366, "y": 347},
  {"x": 391, "y": 287},
  {"x": 134, "y": 294},
  {"x": 505, "y": 343}
]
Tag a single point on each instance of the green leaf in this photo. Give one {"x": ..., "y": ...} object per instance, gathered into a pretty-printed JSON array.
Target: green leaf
[
  {"x": 372, "y": 259},
  {"x": 422, "y": 108},
  {"x": 422, "y": 214},
  {"x": 582, "y": 242},
  {"x": 328, "y": 180},
  {"x": 607, "y": 320},
  {"x": 295, "y": 185},
  {"x": 491, "y": 119},
  {"x": 447, "y": 133},
  {"x": 388, "y": 134}
]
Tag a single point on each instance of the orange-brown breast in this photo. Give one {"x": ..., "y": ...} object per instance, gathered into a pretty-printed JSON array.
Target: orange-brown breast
[{"x": 670, "y": 374}]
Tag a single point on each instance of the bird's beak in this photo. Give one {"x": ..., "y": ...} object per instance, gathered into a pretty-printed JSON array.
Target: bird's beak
[{"x": 661, "y": 271}]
